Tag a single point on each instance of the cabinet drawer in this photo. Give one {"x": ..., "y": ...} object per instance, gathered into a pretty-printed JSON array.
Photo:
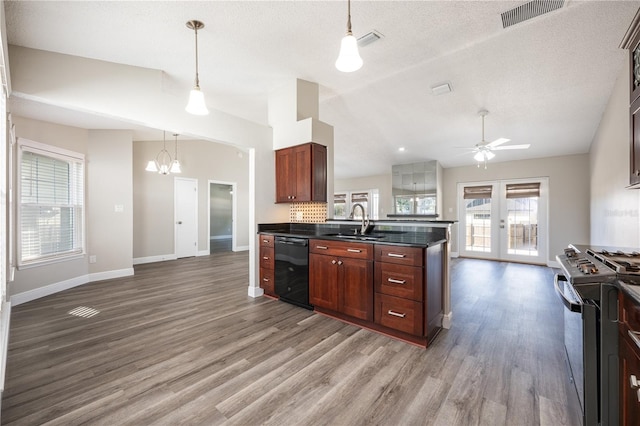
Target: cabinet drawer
[
  {"x": 341, "y": 249},
  {"x": 399, "y": 314},
  {"x": 267, "y": 259},
  {"x": 267, "y": 280},
  {"x": 399, "y": 280},
  {"x": 266, "y": 240},
  {"x": 411, "y": 256}
]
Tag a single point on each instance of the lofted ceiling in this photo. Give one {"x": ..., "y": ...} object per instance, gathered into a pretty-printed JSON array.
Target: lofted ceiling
[{"x": 545, "y": 81}]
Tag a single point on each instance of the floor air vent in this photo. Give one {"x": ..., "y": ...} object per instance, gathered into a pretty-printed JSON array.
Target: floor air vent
[
  {"x": 83, "y": 311},
  {"x": 529, "y": 10}
]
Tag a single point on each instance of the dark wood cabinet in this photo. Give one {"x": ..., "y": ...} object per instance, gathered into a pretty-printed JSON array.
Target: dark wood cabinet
[
  {"x": 267, "y": 264},
  {"x": 629, "y": 356},
  {"x": 301, "y": 173},
  {"x": 631, "y": 41},
  {"x": 341, "y": 278}
]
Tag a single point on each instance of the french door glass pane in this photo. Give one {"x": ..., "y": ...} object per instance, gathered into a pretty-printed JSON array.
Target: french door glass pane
[
  {"x": 478, "y": 224},
  {"x": 522, "y": 220}
]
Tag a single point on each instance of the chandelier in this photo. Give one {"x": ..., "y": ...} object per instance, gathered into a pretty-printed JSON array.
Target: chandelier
[{"x": 163, "y": 163}]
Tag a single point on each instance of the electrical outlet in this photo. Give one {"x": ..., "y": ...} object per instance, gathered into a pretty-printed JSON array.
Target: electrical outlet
[
  {"x": 298, "y": 215},
  {"x": 93, "y": 259}
]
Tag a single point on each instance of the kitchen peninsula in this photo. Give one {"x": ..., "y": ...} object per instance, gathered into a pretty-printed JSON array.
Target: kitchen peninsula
[{"x": 393, "y": 279}]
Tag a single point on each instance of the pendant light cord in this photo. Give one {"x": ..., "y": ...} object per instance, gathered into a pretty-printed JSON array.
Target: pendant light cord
[
  {"x": 349, "y": 18},
  {"x": 197, "y": 78}
]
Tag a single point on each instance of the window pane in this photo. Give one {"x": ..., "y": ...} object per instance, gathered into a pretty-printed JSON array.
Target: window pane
[
  {"x": 478, "y": 224},
  {"x": 522, "y": 218}
]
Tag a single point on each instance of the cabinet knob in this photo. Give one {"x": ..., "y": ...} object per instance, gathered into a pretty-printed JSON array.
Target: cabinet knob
[
  {"x": 637, "y": 173},
  {"x": 333, "y": 262},
  {"x": 633, "y": 381},
  {"x": 339, "y": 262}
]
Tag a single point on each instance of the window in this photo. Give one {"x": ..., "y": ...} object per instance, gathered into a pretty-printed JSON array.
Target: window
[
  {"x": 343, "y": 203},
  {"x": 50, "y": 203}
]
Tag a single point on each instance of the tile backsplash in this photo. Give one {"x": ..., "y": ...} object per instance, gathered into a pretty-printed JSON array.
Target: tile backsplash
[{"x": 311, "y": 212}]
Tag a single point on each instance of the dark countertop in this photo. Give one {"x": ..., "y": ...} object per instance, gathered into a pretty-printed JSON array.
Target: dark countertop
[{"x": 402, "y": 235}]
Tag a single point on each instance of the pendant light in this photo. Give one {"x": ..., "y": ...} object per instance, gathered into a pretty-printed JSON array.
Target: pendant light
[
  {"x": 349, "y": 59},
  {"x": 175, "y": 166},
  {"x": 163, "y": 163},
  {"x": 196, "y": 103}
]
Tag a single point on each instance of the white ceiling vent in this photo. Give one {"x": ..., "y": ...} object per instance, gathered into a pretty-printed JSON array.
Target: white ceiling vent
[
  {"x": 368, "y": 38},
  {"x": 529, "y": 10}
]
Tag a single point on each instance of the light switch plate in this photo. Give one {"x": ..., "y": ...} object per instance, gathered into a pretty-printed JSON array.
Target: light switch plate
[
  {"x": 119, "y": 208},
  {"x": 93, "y": 259}
]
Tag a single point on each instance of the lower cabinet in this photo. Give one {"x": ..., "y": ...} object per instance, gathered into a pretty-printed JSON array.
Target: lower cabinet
[
  {"x": 341, "y": 278},
  {"x": 629, "y": 355},
  {"x": 267, "y": 264}
]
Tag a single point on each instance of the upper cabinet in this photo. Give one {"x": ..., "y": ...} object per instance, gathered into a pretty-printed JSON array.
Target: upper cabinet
[
  {"x": 631, "y": 41},
  {"x": 301, "y": 173}
]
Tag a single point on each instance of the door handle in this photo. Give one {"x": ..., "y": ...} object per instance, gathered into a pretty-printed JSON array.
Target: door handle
[{"x": 179, "y": 222}]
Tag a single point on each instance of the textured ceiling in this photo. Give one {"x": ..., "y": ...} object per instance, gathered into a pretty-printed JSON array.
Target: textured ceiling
[{"x": 545, "y": 82}]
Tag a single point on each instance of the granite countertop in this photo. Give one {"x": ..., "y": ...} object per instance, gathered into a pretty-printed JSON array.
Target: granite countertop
[{"x": 405, "y": 236}]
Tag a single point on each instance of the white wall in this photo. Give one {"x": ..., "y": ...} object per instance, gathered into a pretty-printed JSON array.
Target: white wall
[
  {"x": 568, "y": 194},
  {"x": 614, "y": 209}
]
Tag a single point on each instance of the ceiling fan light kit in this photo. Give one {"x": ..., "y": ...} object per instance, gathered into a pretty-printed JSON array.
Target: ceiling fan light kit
[{"x": 483, "y": 149}]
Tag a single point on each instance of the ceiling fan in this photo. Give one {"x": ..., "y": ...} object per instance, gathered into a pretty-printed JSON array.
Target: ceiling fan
[{"x": 484, "y": 150}]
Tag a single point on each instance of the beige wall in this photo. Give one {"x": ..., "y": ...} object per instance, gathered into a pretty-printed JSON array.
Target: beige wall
[
  {"x": 153, "y": 221},
  {"x": 568, "y": 194},
  {"x": 108, "y": 234},
  {"x": 614, "y": 209}
]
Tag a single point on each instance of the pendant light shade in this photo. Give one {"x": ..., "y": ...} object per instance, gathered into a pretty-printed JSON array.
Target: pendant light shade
[
  {"x": 175, "y": 166},
  {"x": 196, "y": 105},
  {"x": 163, "y": 163},
  {"x": 349, "y": 59}
]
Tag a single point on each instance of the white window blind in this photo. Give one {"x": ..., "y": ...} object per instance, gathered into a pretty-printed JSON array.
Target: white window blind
[{"x": 51, "y": 203}]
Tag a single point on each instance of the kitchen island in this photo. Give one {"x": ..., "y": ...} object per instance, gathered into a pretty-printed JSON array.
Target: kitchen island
[{"x": 393, "y": 279}]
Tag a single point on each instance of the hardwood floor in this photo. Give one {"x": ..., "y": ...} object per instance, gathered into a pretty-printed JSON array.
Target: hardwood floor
[{"x": 182, "y": 343}]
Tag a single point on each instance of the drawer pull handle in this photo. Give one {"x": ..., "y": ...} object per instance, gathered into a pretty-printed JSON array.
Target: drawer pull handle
[
  {"x": 265, "y": 279},
  {"x": 393, "y": 280},
  {"x": 396, "y": 255},
  {"x": 354, "y": 251},
  {"x": 321, "y": 247},
  {"x": 265, "y": 257},
  {"x": 396, "y": 314},
  {"x": 265, "y": 241},
  {"x": 635, "y": 336}
]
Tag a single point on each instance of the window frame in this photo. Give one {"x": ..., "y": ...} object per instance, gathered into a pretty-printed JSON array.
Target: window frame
[{"x": 61, "y": 154}]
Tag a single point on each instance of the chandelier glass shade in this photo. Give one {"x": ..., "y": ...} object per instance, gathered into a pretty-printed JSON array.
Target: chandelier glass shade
[
  {"x": 349, "y": 59},
  {"x": 196, "y": 104}
]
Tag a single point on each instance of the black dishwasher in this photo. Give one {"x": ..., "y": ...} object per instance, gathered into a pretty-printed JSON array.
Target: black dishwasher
[{"x": 292, "y": 270}]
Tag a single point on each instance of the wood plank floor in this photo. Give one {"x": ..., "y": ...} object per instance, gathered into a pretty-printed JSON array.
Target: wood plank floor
[{"x": 182, "y": 343}]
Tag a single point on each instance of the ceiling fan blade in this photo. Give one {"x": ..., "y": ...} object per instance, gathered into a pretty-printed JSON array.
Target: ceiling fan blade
[
  {"x": 524, "y": 146},
  {"x": 498, "y": 142}
]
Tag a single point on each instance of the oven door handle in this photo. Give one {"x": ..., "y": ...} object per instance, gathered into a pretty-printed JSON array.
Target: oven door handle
[{"x": 570, "y": 304}]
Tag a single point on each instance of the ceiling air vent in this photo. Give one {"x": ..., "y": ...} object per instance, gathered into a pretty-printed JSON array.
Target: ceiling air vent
[
  {"x": 529, "y": 10},
  {"x": 370, "y": 37}
]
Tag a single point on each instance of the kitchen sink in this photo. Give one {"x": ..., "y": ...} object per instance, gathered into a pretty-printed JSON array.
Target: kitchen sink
[{"x": 370, "y": 237}]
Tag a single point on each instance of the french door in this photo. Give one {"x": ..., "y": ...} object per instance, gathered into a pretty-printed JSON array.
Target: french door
[{"x": 504, "y": 220}]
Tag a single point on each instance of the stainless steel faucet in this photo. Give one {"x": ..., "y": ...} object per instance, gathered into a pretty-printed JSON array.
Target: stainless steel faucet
[{"x": 365, "y": 218}]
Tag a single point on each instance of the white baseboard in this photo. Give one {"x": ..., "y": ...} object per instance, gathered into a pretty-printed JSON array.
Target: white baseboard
[
  {"x": 455, "y": 254},
  {"x": 255, "y": 291},
  {"x": 446, "y": 320},
  {"x": 37, "y": 293},
  {"x": 5, "y": 318},
  {"x": 107, "y": 275},
  {"x": 221, "y": 237},
  {"x": 242, "y": 248},
  {"x": 153, "y": 259},
  {"x": 202, "y": 253}
]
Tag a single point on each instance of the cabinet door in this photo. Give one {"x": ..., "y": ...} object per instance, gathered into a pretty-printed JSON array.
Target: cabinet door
[
  {"x": 303, "y": 173},
  {"x": 356, "y": 288},
  {"x": 629, "y": 397},
  {"x": 634, "y": 178},
  {"x": 323, "y": 281},
  {"x": 285, "y": 175}
]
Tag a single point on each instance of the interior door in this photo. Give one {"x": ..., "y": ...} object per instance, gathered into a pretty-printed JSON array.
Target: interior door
[
  {"x": 504, "y": 220},
  {"x": 186, "y": 217}
]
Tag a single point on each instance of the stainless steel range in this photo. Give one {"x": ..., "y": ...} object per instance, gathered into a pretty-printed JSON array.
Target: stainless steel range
[{"x": 587, "y": 288}]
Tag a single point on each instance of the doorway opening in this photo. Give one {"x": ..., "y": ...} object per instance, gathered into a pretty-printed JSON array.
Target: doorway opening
[{"x": 222, "y": 212}]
